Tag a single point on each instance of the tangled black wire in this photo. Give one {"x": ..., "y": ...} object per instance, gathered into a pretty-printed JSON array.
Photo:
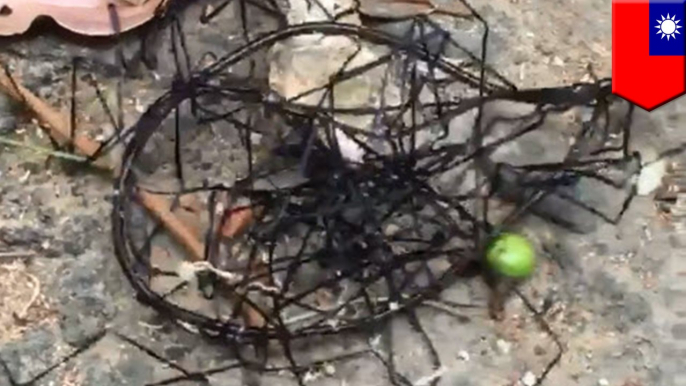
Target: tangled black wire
[{"x": 358, "y": 211}]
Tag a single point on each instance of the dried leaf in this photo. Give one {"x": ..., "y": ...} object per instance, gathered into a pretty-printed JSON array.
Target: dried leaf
[{"x": 86, "y": 17}]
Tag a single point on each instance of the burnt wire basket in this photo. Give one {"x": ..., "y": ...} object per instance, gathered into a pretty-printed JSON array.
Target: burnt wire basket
[{"x": 321, "y": 205}]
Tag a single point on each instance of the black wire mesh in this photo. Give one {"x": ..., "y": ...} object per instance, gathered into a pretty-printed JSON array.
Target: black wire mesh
[{"x": 353, "y": 220}]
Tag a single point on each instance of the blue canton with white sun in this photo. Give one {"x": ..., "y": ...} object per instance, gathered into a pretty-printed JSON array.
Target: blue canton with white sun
[{"x": 666, "y": 28}]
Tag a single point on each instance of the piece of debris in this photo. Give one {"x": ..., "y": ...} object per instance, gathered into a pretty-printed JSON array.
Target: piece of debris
[
  {"x": 431, "y": 378},
  {"x": 651, "y": 177},
  {"x": 86, "y": 17},
  {"x": 503, "y": 346},
  {"x": 529, "y": 379}
]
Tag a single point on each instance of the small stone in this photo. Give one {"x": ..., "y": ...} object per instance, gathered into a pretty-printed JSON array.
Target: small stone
[
  {"x": 503, "y": 346},
  {"x": 256, "y": 138},
  {"x": 463, "y": 355},
  {"x": 529, "y": 379},
  {"x": 310, "y": 376},
  {"x": 603, "y": 382},
  {"x": 391, "y": 229},
  {"x": 329, "y": 369}
]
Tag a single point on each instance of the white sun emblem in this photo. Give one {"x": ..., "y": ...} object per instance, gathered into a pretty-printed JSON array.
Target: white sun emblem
[{"x": 668, "y": 27}]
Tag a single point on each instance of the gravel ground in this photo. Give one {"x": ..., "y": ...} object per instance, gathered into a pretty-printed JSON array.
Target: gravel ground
[{"x": 615, "y": 297}]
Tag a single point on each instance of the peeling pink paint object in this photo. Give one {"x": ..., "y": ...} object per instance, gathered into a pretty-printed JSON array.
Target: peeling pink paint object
[{"x": 85, "y": 17}]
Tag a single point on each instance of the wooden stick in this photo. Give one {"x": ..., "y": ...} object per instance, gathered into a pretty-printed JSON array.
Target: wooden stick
[
  {"x": 252, "y": 317},
  {"x": 161, "y": 209},
  {"x": 59, "y": 127},
  {"x": 236, "y": 221},
  {"x": 232, "y": 223},
  {"x": 57, "y": 124}
]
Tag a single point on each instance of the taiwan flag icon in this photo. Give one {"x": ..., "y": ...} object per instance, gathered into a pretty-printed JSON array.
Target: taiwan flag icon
[{"x": 648, "y": 49}]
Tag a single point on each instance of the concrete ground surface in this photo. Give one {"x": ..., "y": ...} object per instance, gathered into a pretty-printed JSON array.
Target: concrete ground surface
[{"x": 615, "y": 297}]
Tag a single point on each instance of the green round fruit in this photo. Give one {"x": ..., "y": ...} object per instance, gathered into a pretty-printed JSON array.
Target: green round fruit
[{"x": 511, "y": 255}]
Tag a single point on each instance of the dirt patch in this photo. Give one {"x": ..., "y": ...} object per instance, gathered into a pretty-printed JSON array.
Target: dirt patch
[{"x": 23, "y": 304}]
